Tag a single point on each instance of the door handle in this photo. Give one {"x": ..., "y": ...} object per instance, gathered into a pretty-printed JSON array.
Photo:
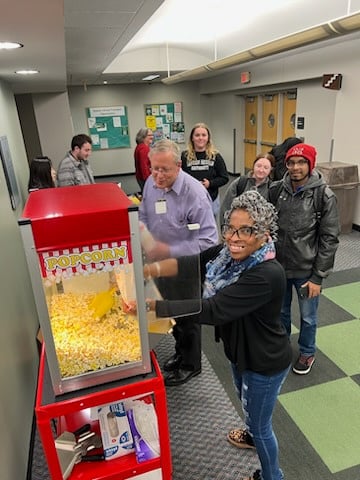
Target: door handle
[
  {"x": 268, "y": 144},
  {"x": 247, "y": 140}
]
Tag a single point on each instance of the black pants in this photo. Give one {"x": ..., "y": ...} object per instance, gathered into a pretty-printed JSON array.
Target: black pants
[
  {"x": 187, "y": 331},
  {"x": 187, "y": 334}
]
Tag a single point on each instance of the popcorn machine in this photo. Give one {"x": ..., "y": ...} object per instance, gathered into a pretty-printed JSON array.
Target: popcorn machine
[{"x": 84, "y": 255}]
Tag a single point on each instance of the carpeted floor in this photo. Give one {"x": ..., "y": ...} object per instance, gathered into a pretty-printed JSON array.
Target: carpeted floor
[{"x": 200, "y": 413}]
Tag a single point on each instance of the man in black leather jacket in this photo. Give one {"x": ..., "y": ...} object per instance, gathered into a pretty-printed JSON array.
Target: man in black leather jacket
[{"x": 307, "y": 243}]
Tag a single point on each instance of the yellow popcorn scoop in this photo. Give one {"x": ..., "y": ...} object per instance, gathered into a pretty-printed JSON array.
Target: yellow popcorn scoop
[{"x": 103, "y": 302}]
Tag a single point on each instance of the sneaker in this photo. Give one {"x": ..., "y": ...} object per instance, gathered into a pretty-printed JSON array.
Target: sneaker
[
  {"x": 241, "y": 438},
  {"x": 255, "y": 476},
  {"x": 303, "y": 364}
]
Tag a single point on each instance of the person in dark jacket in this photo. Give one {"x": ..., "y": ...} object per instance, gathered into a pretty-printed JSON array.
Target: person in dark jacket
[
  {"x": 202, "y": 161},
  {"x": 308, "y": 239},
  {"x": 243, "y": 289},
  {"x": 279, "y": 152},
  {"x": 259, "y": 178}
]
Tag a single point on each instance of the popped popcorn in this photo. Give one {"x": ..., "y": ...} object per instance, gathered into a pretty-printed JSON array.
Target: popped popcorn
[{"x": 84, "y": 343}]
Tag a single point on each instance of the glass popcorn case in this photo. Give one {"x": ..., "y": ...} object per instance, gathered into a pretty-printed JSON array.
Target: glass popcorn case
[{"x": 84, "y": 255}]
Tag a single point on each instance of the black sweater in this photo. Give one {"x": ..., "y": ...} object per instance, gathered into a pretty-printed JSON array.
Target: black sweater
[
  {"x": 247, "y": 314},
  {"x": 213, "y": 170}
]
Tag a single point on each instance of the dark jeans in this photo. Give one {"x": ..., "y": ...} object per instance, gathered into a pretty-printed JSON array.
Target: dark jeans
[
  {"x": 258, "y": 394},
  {"x": 308, "y": 316}
]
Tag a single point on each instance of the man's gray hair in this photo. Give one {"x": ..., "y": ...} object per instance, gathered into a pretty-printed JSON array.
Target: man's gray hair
[
  {"x": 166, "y": 146},
  {"x": 260, "y": 210}
]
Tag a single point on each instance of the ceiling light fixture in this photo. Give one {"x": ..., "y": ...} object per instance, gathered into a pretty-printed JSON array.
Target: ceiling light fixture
[
  {"x": 10, "y": 45},
  {"x": 150, "y": 77},
  {"x": 335, "y": 28},
  {"x": 27, "y": 72}
]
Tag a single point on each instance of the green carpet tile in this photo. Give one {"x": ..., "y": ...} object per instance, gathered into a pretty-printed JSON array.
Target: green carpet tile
[
  {"x": 346, "y": 296},
  {"x": 328, "y": 413},
  {"x": 340, "y": 342},
  {"x": 328, "y": 416}
]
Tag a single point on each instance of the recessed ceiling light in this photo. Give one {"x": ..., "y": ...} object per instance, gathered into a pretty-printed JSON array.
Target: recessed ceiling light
[
  {"x": 150, "y": 77},
  {"x": 105, "y": 82},
  {"x": 10, "y": 45},
  {"x": 27, "y": 72}
]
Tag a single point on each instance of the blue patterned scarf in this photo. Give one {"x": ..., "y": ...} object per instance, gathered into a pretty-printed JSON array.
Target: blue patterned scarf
[{"x": 224, "y": 270}]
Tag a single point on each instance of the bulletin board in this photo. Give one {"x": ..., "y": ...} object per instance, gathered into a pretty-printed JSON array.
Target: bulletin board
[
  {"x": 166, "y": 121},
  {"x": 108, "y": 127}
]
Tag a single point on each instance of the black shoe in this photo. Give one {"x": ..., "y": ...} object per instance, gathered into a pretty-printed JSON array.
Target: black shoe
[
  {"x": 180, "y": 376},
  {"x": 304, "y": 364},
  {"x": 172, "y": 364}
]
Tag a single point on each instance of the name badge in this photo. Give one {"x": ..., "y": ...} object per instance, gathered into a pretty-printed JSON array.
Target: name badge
[{"x": 160, "y": 206}]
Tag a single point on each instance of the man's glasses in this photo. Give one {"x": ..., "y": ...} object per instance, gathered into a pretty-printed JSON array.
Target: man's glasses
[
  {"x": 246, "y": 231},
  {"x": 302, "y": 162},
  {"x": 165, "y": 170}
]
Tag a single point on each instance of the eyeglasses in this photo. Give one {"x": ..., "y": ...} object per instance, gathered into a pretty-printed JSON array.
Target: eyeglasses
[
  {"x": 302, "y": 162},
  {"x": 246, "y": 231},
  {"x": 165, "y": 170}
]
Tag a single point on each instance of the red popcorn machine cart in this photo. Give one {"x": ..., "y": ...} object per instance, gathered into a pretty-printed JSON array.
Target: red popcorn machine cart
[{"x": 85, "y": 260}]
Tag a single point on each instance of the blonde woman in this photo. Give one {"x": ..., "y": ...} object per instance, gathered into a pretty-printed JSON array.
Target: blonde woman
[{"x": 202, "y": 161}]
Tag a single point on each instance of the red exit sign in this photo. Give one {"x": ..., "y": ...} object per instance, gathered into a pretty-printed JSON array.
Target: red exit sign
[{"x": 245, "y": 77}]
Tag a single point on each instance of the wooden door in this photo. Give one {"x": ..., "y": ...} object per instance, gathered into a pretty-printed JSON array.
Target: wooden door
[
  {"x": 288, "y": 115},
  {"x": 270, "y": 105},
  {"x": 251, "y": 122}
]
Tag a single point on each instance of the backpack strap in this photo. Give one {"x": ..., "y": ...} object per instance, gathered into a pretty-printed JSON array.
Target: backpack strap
[
  {"x": 241, "y": 184},
  {"x": 274, "y": 191}
]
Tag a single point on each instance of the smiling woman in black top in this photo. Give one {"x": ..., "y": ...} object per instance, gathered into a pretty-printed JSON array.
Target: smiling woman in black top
[{"x": 243, "y": 289}]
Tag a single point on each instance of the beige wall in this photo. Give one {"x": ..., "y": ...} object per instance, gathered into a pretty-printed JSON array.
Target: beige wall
[
  {"x": 134, "y": 97},
  {"x": 53, "y": 118},
  {"x": 19, "y": 356}
]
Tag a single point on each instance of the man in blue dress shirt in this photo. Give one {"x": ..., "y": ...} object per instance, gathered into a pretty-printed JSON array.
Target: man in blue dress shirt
[{"x": 173, "y": 205}]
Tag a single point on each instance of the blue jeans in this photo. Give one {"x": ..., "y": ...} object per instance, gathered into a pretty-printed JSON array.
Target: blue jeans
[
  {"x": 258, "y": 394},
  {"x": 308, "y": 316}
]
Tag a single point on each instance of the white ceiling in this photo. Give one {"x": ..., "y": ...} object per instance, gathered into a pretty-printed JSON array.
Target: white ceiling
[
  {"x": 72, "y": 42},
  {"x": 69, "y": 41}
]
